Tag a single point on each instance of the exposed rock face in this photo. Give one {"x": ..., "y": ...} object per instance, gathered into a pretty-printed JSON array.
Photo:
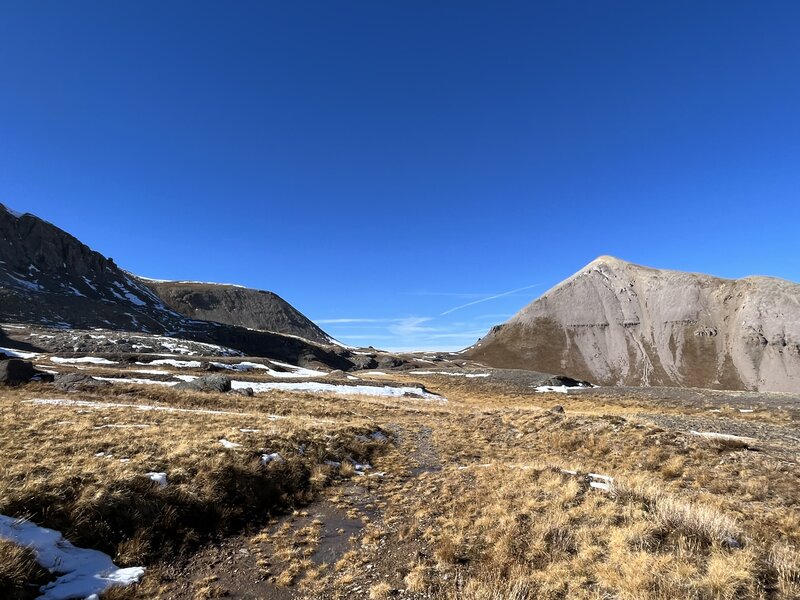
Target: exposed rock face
[
  {"x": 49, "y": 278},
  {"x": 616, "y": 323},
  {"x": 239, "y": 306}
]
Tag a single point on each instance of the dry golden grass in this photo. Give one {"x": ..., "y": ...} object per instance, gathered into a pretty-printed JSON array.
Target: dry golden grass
[
  {"x": 474, "y": 505},
  {"x": 82, "y": 469},
  {"x": 17, "y": 567}
]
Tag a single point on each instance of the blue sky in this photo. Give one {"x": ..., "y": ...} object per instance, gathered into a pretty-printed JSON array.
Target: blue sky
[{"x": 380, "y": 164}]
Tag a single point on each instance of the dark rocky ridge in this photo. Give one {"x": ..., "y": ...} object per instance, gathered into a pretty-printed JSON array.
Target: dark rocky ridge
[
  {"x": 49, "y": 278},
  {"x": 616, "y": 323},
  {"x": 234, "y": 305}
]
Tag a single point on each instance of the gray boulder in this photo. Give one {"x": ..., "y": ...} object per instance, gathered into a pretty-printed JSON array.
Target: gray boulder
[
  {"x": 70, "y": 382},
  {"x": 207, "y": 383},
  {"x": 244, "y": 391}
]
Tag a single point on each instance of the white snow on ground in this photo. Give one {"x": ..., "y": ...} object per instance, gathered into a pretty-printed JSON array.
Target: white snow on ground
[
  {"x": 196, "y": 282},
  {"x": 268, "y": 458},
  {"x": 296, "y": 372},
  {"x": 142, "y": 407},
  {"x": 150, "y": 371},
  {"x": 159, "y": 478},
  {"x": 82, "y": 572},
  {"x": 450, "y": 373},
  {"x": 133, "y": 298},
  {"x": 229, "y": 444},
  {"x": 181, "y": 364},
  {"x": 85, "y": 359},
  {"x": 601, "y": 482},
  {"x": 137, "y": 380},
  {"x": 182, "y": 348},
  {"x": 359, "y": 390},
  {"x": 560, "y": 389},
  {"x": 29, "y": 285},
  {"x": 711, "y": 435},
  {"x": 242, "y": 366},
  {"x": 373, "y": 373},
  {"x": 385, "y": 391},
  {"x": 18, "y": 353}
]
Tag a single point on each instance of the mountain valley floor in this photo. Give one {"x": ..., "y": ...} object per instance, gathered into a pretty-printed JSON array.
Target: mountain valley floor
[{"x": 482, "y": 489}]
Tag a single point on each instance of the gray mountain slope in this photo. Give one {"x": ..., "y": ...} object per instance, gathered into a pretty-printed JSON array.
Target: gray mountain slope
[
  {"x": 615, "y": 322},
  {"x": 49, "y": 278},
  {"x": 234, "y": 305}
]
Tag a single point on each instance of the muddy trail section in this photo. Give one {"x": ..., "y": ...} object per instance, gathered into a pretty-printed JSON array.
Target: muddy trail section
[{"x": 340, "y": 546}]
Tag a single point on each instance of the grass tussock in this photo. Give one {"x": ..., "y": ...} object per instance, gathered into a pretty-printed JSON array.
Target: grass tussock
[
  {"x": 18, "y": 567},
  {"x": 535, "y": 532}
]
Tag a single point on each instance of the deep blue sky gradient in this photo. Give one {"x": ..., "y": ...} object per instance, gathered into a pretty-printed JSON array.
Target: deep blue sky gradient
[{"x": 386, "y": 162}]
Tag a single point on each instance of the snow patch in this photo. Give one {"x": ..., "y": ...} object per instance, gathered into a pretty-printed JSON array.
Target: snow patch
[
  {"x": 359, "y": 390},
  {"x": 268, "y": 458},
  {"x": 181, "y": 364},
  {"x": 451, "y": 374},
  {"x": 159, "y": 478},
  {"x": 18, "y": 353},
  {"x": 81, "y": 572},
  {"x": 84, "y": 359}
]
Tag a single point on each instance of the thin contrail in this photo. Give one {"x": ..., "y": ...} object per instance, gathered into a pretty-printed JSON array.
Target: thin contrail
[{"x": 527, "y": 287}]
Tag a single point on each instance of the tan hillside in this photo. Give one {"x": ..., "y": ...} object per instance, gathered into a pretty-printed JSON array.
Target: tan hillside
[{"x": 615, "y": 322}]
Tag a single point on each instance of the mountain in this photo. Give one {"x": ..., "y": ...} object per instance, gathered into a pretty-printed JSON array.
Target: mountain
[
  {"x": 617, "y": 323},
  {"x": 236, "y": 305},
  {"x": 49, "y": 278}
]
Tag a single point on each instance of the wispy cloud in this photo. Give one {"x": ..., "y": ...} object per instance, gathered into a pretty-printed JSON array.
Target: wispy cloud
[
  {"x": 349, "y": 320},
  {"x": 488, "y": 298}
]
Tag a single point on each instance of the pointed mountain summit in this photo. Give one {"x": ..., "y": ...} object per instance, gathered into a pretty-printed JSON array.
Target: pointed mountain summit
[{"x": 618, "y": 323}]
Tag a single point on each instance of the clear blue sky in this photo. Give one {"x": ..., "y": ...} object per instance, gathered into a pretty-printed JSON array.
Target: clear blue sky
[{"x": 384, "y": 162}]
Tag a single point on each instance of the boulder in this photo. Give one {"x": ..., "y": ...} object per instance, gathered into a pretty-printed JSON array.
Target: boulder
[
  {"x": 557, "y": 410},
  {"x": 207, "y": 383},
  {"x": 558, "y": 380},
  {"x": 72, "y": 382},
  {"x": 243, "y": 391},
  {"x": 15, "y": 371}
]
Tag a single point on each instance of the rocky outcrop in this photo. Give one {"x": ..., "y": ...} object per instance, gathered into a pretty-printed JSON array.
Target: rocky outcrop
[
  {"x": 77, "y": 382},
  {"x": 207, "y": 383},
  {"x": 234, "y": 305},
  {"x": 49, "y": 278},
  {"x": 617, "y": 323}
]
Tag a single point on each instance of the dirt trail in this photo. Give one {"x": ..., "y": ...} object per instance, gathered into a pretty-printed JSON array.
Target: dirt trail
[{"x": 347, "y": 524}]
